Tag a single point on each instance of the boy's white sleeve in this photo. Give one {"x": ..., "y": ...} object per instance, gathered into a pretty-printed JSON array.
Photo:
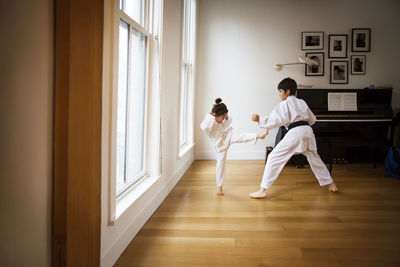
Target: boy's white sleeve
[
  {"x": 311, "y": 117},
  {"x": 207, "y": 124},
  {"x": 263, "y": 121},
  {"x": 279, "y": 116}
]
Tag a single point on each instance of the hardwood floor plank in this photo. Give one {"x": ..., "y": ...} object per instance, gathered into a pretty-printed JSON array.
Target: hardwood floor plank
[
  {"x": 317, "y": 243},
  {"x": 351, "y": 254}
]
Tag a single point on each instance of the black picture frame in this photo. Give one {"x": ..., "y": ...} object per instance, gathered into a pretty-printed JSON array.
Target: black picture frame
[
  {"x": 315, "y": 70},
  {"x": 312, "y": 41},
  {"x": 358, "y": 64},
  {"x": 337, "y": 45},
  {"x": 339, "y": 72},
  {"x": 361, "y": 40}
]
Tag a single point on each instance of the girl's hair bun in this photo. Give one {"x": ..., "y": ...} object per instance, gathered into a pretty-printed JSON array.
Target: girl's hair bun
[{"x": 219, "y": 108}]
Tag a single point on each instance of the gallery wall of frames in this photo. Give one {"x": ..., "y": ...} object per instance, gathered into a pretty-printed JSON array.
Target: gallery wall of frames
[{"x": 340, "y": 59}]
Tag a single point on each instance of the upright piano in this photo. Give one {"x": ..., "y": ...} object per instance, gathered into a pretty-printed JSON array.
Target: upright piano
[{"x": 361, "y": 134}]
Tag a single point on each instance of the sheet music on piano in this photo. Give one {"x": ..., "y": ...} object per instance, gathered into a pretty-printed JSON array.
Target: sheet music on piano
[{"x": 342, "y": 101}]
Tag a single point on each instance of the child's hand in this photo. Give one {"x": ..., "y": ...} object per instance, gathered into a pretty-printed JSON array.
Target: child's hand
[
  {"x": 262, "y": 136},
  {"x": 255, "y": 118},
  {"x": 226, "y": 116},
  {"x": 213, "y": 114}
]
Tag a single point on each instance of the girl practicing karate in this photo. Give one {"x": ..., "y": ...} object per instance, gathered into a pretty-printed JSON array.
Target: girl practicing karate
[
  {"x": 217, "y": 126},
  {"x": 297, "y": 117}
]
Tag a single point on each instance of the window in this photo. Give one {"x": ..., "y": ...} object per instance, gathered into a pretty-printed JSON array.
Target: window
[
  {"x": 187, "y": 74},
  {"x": 131, "y": 122},
  {"x": 131, "y": 106}
]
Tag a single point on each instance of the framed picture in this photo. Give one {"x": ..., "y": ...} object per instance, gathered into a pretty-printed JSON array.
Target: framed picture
[
  {"x": 312, "y": 40},
  {"x": 361, "y": 40},
  {"x": 315, "y": 70},
  {"x": 339, "y": 72},
  {"x": 358, "y": 64},
  {"x": 337, "y": 46}
]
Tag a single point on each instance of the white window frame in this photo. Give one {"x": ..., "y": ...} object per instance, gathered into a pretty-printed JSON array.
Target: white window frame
[
  {"x": 152, "y": 144},
  {"x": 188, "y": 57},
  {"x": 133, "y": 25}
]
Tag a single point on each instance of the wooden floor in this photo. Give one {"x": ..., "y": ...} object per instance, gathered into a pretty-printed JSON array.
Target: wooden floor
[{"x": 300, "y": 223}]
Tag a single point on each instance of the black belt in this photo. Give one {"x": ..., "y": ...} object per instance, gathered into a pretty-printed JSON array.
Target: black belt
[{"x": 297, "y": 123}]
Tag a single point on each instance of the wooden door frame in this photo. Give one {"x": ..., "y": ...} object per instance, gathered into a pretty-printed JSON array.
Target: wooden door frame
[{"x": 77, "y": 132}]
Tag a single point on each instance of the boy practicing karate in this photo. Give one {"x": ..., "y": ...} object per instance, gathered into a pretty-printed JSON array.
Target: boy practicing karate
[{"x": 297, "y": 117}]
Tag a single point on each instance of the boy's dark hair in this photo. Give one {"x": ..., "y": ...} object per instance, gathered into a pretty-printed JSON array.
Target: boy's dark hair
[
  {"x": 288, "y": 84},
  {"x": 219, "y": 108}
]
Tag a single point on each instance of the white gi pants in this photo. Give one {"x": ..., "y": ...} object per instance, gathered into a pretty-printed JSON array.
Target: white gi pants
[
  {"x": 221, "y": 155},
  {"x": 299, "y": 140}
]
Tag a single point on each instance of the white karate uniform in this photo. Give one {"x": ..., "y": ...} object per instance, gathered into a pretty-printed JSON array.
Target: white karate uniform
[
  {"x": 221, "y": 134},
  {"x": 298, "y": 140}
]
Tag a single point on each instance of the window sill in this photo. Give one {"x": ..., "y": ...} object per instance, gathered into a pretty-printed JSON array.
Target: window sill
[
  {"x": 184, "y": 150},
  {"x": 134, "y": 193}
]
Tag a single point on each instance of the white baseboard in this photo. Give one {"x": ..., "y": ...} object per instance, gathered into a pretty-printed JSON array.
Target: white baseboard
[
  {"x": 161, "y": 192},
  {"x": 232, "y": 155}
]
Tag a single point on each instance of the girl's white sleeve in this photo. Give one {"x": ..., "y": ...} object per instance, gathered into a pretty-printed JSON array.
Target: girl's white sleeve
[
  {"x": 207, "y": 124},
  {"x": 227, "y": 123},
  {"x": 279, "y": 116}
]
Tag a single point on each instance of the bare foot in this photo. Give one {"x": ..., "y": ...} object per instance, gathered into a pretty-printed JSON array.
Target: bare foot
[
  {"x": 262, "y": 193},
  {"x": 333, "y": 187},
  {"x": 220, "y": 192},
  {"x": 262, "y": 136}
]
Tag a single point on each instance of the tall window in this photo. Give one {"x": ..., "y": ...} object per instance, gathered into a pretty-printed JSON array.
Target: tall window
[
  {"x": 187, "y": 73},
  {"x": 131, "y": 94}
]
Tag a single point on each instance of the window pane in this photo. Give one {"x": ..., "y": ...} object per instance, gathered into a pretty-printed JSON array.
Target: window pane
[
  {"x": 188, "y": 31},
  {"x": 182, "y": 115},
  {"x": 121, "y": 111},
  {"x": 136, "y": 110},
  {"x": 134, "y": 9},
  {"x": 185, "y": 32},
  {"x": 192, "y": 31}
]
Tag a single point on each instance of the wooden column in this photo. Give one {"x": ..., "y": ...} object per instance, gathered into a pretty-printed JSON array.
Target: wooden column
[{"x": 77, "y": 134}]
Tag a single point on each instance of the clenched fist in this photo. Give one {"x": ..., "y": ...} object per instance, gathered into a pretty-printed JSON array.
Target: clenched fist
[{"x": 255, "y": 118}]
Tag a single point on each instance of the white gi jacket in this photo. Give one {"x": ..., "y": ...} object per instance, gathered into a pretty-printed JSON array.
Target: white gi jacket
[
  {"x": 219, "y": 133},
  {"x": 288, "y": 111}
]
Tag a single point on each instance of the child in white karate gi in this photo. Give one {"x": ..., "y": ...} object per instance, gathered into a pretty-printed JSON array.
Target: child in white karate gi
[
  {"x": 217, "y": 126},
  {"x": 297, "y": 117}
]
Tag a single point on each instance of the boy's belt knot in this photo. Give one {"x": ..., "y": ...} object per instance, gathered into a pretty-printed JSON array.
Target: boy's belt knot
[{"x": 297, "y": 123}]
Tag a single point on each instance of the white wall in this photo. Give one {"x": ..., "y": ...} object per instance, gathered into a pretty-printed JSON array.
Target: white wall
[
  {"x": 240, "y": 41},
  {"x": 26, "y": 123},
  {"x": 115, "y": 238}
]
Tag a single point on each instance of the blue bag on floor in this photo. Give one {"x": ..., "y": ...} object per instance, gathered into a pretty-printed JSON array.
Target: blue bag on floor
[{"x": 392, "y": 162}]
